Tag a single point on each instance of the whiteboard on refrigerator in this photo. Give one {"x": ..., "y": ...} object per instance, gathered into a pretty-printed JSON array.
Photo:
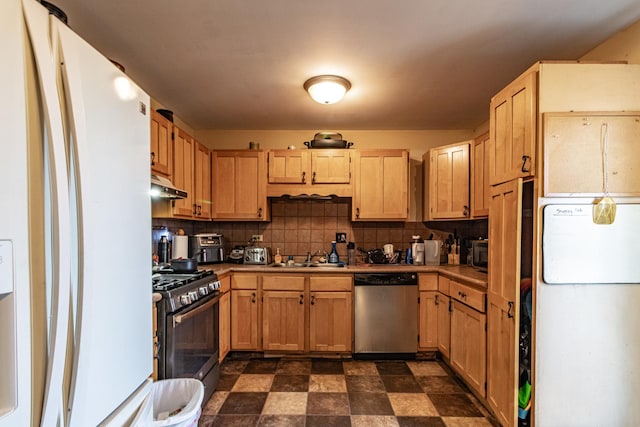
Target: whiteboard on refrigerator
[{"x": 577, "y": 251}]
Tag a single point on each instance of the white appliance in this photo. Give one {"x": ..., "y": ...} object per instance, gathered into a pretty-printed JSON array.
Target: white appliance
[{"x": 75, "y": 305}]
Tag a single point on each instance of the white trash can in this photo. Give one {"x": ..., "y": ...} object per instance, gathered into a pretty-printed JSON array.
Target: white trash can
[{"x": 172, "y": 402}]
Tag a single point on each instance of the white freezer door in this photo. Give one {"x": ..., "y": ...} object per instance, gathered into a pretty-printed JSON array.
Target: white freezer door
[{"x": 575, "y": 250}]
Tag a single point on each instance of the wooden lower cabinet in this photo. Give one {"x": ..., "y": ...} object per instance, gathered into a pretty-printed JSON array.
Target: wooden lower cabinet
[
  {"x": 244, "y": 319},
  {"x": 283, "y": 320},
  {"x": 468, "y": 345},
  {"x": 330, "y": 321},
  {"x": 428, "y": 320},
  {"x": 224, "y": 331},
  {"x": 443, "y": 307}
]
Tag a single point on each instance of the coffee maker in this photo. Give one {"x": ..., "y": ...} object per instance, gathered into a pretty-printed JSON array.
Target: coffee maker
[{"x": 207, "y": 248}]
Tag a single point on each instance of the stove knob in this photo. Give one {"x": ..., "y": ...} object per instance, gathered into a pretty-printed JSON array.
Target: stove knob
[
  {"x": 261, "y": 259},
  {"x": 193, "y": 295},
  {"x": 214, "y": 285},
  {"x": 247, "y": 258},
  {"x": 203, "y": 290},
  {"x": 185, "y": 299}
]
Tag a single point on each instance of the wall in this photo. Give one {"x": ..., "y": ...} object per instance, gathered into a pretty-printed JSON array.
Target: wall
[{"x": 623, "y": 46}]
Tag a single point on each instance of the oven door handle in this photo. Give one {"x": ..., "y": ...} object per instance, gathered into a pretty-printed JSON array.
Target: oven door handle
[{"x": 189, "y": 314}]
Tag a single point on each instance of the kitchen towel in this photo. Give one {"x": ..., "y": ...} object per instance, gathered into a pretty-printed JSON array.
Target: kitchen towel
[{"x": 180, "y": 247}]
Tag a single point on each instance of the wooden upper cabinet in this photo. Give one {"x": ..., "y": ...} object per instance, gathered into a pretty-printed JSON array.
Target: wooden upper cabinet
[
  {"x": 239, "y": 185},
  {"x": 202, "y": 184},
  {"x": 288, "y": 166},
  {"x": 512, "y": 126},
  {"x": 447, "y": 182},
  {"x": 574, "y": 154},
  {"x": 313, "y": 171},
  {"x": 381, "y": 185},
  {"x": 480, "y": 187},
  {"x": 161, "y": 144},
  {"x": 330, "y": 167},
  {"x": 183, "y": 172}
]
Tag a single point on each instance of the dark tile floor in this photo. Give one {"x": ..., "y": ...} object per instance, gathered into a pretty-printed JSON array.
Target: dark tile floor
[{"x": 328, "y": 392}]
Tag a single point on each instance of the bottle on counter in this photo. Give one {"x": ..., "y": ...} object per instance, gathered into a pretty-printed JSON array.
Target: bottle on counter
[
  {"x": 163, "y": 250},
  {"x": 333, "y": 256},
  {"x": 277, "y": 258},
  {"x": 351, "y": 253}
]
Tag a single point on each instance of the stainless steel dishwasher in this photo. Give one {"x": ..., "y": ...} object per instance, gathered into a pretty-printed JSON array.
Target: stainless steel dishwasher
[{"x": 386, "y": 313}]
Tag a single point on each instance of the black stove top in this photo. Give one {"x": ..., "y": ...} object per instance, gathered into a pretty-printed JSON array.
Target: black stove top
[
  {"x": 182, "y": 289},
  {"x": 168, "y": 280}
]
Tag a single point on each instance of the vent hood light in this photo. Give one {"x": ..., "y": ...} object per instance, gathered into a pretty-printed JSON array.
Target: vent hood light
[{"x": 162, "y": 188}]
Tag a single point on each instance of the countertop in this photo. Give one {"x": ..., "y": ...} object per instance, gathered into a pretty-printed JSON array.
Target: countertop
[{"x": 463, "y": 273}]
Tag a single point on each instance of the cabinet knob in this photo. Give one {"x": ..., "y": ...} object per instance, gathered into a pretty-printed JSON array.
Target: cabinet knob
[
  {"x": 259, "y": 212},
  {"x": 313, "y": 178},
  {"x": 357, "y": 212},
  {"x": 524, "y": 164},
  {"x": 195, "y": 209},
  {"x": 465, "y": 210},
  {"x": 313, "y": 299},
  {"x": 304, "y": 177},
  {"x": 509, "y": 314},
  {"x": 301, "y": 299},
  {"x": 253, "y": 297},
  {"x": 153, "y": 158}
]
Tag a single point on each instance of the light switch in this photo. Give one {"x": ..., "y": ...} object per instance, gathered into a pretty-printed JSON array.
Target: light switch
[{"x": 6, "y": 266}]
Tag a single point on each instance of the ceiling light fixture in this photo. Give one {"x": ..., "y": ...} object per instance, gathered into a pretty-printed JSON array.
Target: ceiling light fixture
[{"x": 327, "y": 89}]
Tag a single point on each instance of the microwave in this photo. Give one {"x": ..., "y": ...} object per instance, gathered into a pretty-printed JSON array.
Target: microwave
[{"x": 480, "y": 254}]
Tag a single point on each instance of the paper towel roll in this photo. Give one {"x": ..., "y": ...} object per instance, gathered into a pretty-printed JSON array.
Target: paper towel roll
[{"x": 180, "y": 247}]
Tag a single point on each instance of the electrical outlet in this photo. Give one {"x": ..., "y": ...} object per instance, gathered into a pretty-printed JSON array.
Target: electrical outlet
[
  {"x": 341, "y": 237},
  {"x": 257, "y": 237}
]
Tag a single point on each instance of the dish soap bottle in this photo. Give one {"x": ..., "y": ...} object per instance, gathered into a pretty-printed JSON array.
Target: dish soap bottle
[
  {"x": 333, "y": 256},
  {"x": 277, "y": 258}
]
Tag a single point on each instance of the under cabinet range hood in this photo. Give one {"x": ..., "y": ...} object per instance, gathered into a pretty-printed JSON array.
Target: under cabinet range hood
[{"x": 162, "y": 188}]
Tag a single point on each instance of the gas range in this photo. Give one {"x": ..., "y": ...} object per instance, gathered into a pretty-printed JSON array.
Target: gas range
[{"x": 179, "y": 290}]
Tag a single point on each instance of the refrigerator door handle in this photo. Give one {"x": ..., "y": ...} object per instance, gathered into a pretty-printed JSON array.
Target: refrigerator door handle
[{"x": 38, "y": 24}]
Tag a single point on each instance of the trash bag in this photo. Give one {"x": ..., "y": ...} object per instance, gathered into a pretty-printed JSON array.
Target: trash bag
[{"x": 172, "y": 402}]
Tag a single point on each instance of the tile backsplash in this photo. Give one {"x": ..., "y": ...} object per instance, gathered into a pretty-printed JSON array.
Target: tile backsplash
[{"x": 301, "y": 226}]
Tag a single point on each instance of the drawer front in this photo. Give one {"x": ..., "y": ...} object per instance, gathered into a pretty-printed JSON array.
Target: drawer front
[
  {"x": 244, "y": 281},
  {"x": 468, "y": 295},
  {"x": 319, "y": 283},
  {"x": 444, "y": 284},
  {"x": 282, "y": 282},
  {"x": 428, "y": 281}
]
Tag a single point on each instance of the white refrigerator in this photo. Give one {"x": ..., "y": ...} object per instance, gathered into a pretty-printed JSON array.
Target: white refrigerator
[{"x": 75, "y": 272}]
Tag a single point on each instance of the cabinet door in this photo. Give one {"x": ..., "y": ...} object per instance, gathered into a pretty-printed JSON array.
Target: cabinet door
[
  {"x": 224, "y": 337},
  {"x": 574, "y": 150},
  {"x": 380, "y": 185},
  {"x": 331, "y": 321},
  {"x": 202, "y": 199},
  {"x": 468, "y": 345},
  {"x": 444, "y": 307},
  {"x": 480, "y": 187},
  {"x": 512, "y": 126},
  {"x": 505, "y": 233},
  {"x": 449, "y": 182},
  {"x": 161, "y": 144},
  {"x": 330, "y": 167},
  {"x": 428, "y": 320},
  {"x": 244, "y": 319},
  {"x": 239, "y": 185},
  {"x": 183, "y": 162},
  {"x": 288, "y": 167},
  {"x": 283, "y": 320}
]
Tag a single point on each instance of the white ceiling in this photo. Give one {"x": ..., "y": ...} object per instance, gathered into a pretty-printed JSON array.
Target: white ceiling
[{"x": 413, "y": 64}]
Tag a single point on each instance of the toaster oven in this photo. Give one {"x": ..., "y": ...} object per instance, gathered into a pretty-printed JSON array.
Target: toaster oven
[{"x": 480, "y": 254}]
